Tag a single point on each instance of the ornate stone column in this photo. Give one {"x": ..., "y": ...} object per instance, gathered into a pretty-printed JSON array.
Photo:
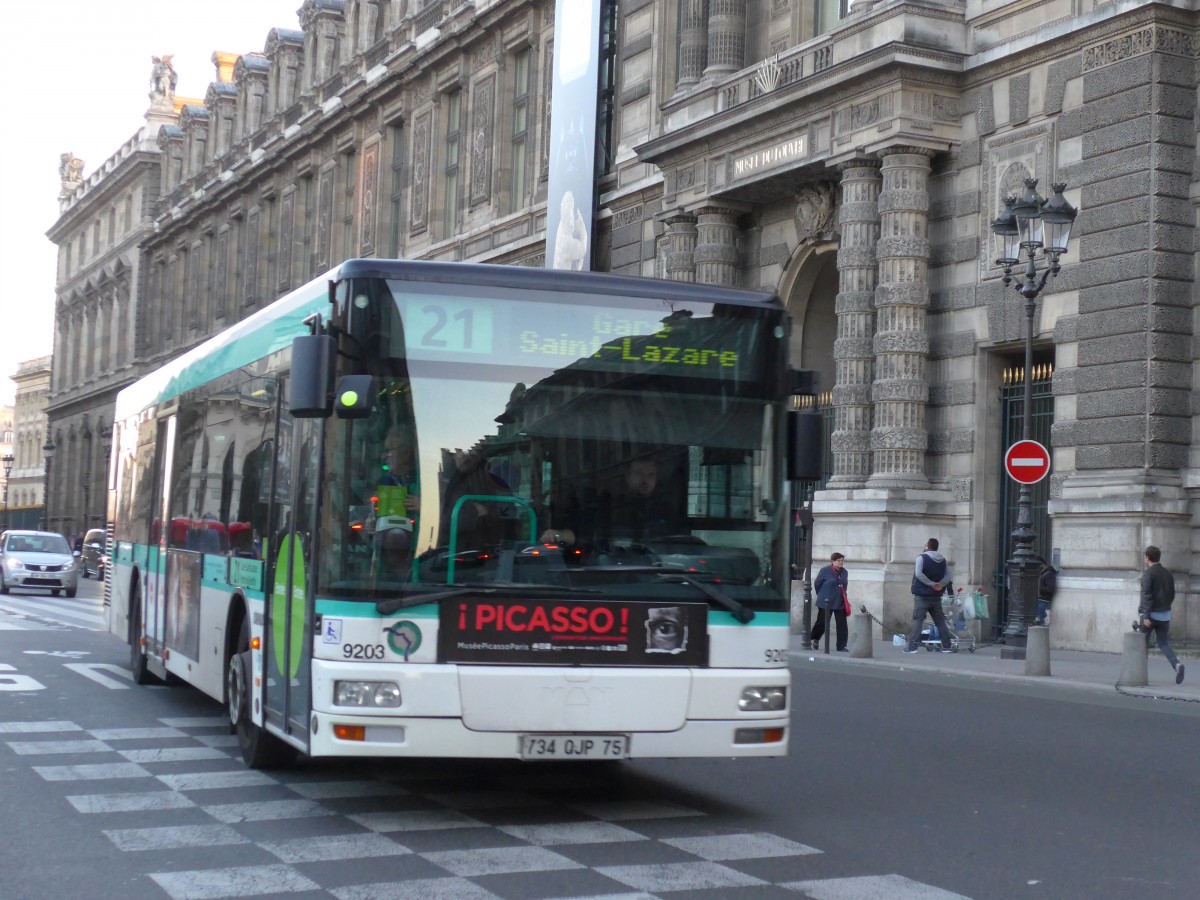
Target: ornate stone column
[
  {"x": 716, "y": 245},
  {"x": 900, "y": 392},
  {"x": 853, "y": 354},
  {"x": 693, "y": 42},
  {"x": 726, "y": 37},
  {"x": 681, "y": 251}
]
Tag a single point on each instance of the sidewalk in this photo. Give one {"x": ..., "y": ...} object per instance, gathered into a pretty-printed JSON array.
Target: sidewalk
[{"x": 1078, "y": 668}]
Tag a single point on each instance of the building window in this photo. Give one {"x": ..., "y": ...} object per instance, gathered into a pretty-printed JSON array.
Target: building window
[
  {"x": 396, "y": 137},
  {"x": 349, "y": 251},
  {"x": 308, "y": 196},
  {"x": 520, "y": 129},
  {"x": 453, "y": 124},
  {"x": 268, "y": 249},
  {"x": 827, "y": 13}
]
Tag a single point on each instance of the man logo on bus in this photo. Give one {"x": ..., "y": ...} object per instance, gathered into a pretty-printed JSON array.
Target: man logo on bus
[{"x": 404, "y": 638}]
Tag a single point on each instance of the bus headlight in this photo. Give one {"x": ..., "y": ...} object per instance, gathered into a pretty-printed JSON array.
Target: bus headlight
[
  {"x": 377, "y": 694},
  {"x": 763, "y": 699}
]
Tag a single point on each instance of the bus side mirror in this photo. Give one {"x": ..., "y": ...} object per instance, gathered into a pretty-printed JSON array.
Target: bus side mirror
[
  {"x": 355, "y": 396},
  {"x": 804, "y": 445},
  {"x": 310, "y": 395}
]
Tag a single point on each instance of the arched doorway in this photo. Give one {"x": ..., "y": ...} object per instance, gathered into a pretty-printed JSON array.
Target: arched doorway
[{"x": 809, "y": 288}]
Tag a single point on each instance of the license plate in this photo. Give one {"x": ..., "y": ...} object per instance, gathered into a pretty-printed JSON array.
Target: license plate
[{"x": 574, "y": 746}]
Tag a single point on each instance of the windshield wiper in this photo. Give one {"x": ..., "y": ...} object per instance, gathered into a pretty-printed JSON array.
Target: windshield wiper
[
  {"x": 394, "y": 604},
  {"x": 740, "y": 612}
]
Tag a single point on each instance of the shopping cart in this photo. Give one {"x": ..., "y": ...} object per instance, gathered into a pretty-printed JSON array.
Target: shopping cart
[{"x": 957, "y": 614}]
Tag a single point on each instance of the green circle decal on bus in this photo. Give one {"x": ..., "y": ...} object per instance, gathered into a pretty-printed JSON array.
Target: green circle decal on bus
[{"x": 291, "y": 557}]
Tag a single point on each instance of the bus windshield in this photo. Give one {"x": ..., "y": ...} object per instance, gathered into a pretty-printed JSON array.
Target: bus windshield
[{"x": 541, "y": 438}]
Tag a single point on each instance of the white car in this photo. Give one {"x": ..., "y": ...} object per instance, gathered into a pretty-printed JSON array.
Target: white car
[{"x": 37, "y": 559}]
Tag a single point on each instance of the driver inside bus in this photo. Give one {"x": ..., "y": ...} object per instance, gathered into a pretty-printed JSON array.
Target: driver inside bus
[
  {"x": 398, "y": 479},
  {"x": 640, "y": 507}
]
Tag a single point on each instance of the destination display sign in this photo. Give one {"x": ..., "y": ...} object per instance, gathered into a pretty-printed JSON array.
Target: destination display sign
[
  {"x": 567, "y": 631},
  {"x": 559, "y": 335}
]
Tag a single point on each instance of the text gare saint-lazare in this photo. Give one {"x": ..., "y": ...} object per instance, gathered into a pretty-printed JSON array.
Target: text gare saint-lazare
[{"x": 613, "y": 340}]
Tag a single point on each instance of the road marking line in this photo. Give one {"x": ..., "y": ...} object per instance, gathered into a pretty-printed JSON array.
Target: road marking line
[{"x": 88, "y": 670}]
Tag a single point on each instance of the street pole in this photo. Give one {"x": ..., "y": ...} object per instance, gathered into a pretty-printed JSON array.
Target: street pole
[
  {"x": 8, "y": 465},
  {"x": 1022, "y": 567},
  {"x": 1028, "y": 225},
  {"x": 48, "y": 452},
  {"x": 106, "y": 443}
]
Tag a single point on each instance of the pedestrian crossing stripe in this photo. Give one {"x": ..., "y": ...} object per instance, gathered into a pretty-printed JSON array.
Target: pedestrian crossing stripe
[{"x": 633, "y": 849}]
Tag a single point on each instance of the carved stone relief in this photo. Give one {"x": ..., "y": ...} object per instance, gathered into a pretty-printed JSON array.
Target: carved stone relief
[
  {"x": 1007, "y": 162},
  {"x": 481, "y": 139},
  {"x": 422, "y": 135},
  {"x": 367, "y": 194},
  {"x": 1151, "y": 39},
  {"x": 814, "y": 213},
  {"x": 287, "y": 215}
]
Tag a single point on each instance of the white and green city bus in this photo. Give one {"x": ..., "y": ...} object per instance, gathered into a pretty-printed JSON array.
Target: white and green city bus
[{"x": 443, "y": 510}]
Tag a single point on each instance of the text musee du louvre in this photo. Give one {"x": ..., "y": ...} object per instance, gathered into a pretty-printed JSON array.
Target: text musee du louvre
[{"x": 793, "y": 148}]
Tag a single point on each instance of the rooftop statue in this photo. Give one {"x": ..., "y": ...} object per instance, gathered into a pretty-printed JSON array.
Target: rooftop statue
[
  {"x": 70, "y": 168},
  {"x": 163, "y": 78}
]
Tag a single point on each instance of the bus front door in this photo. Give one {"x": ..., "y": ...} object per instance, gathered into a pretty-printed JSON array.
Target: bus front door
[
  {"x": 154, "y": 571},
  {"x": 290, "y": 601}
]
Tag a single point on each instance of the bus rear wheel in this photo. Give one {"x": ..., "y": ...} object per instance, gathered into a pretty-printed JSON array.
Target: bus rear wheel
[{"x": 260, "y": 750}]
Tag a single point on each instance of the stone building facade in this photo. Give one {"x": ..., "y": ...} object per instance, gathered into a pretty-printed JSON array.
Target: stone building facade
[
  {"x": 850, "y": 160},
  {"x": 27, "y": 481},
  {"x": 102, "y": 219}
]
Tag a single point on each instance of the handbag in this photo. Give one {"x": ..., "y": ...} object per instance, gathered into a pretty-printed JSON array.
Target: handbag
[{"x": 846, "y": 601}]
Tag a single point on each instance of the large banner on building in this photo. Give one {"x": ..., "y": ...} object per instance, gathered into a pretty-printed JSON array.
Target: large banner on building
[{"x": 571, "y": 198}]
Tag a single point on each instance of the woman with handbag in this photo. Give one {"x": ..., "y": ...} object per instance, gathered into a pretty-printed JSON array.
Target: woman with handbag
[{"x": 830, "y": 588}]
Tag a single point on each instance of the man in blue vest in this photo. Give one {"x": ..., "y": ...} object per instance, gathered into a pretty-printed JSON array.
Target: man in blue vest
[{"x": 930, "y": 579}]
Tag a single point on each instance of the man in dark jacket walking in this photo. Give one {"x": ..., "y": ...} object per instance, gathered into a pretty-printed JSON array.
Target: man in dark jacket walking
[
  {"x": 830, "y": 585},
  {"x": 930, "y": 579},
  {"x": 1047, "y": 585},
  {"x": 1154, "y": 610}
]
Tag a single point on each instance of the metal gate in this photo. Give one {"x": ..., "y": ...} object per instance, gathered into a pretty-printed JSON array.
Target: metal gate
[{"x": 1012, "y": 403}]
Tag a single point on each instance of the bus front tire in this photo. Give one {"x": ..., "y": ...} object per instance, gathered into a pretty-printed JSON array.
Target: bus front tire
[{"x": 260, "y": 749}]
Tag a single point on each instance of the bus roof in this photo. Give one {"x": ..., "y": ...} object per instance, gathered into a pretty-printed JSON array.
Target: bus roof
[
  {"x": 272, "y": 328},
  {"x": 528, "y": 277}
]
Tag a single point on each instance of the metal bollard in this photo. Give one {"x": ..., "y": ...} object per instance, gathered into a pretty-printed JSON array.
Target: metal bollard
[
  {"x": 1037, "y": 651},
  {"x": 1133, "y": 661},
  {"x": 862, "y": 645}
]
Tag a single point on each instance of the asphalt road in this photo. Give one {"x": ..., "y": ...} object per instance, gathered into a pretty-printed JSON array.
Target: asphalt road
[{"x": 900, "y": 785}]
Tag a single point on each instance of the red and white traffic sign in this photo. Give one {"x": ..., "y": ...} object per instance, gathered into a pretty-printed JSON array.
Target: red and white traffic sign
[{"x": 1027, "y": 462}]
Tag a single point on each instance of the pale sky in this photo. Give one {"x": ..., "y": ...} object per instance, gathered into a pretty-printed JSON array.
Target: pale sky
[{"x": 78, "y": 75}]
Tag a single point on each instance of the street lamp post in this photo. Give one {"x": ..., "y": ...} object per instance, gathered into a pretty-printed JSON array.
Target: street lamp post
[
  {"x": 7, "y": 459},
  {"x": 48, "y": 452},
  {"x": 106, "y": 444},
  {"x": 1039, "y": 229}
]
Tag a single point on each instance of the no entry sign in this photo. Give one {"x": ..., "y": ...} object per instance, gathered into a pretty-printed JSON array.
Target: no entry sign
[{"x": 1027, "y": 462}]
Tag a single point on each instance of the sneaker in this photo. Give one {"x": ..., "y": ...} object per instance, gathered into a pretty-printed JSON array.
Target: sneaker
[
  {"x": 1179, "y": 673},
  {"x": 910, "y": 649},
  {"x": 843, "y": 649},
  {"x": 816, "y": 645},
  {"x": 946, "y": 650}
]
